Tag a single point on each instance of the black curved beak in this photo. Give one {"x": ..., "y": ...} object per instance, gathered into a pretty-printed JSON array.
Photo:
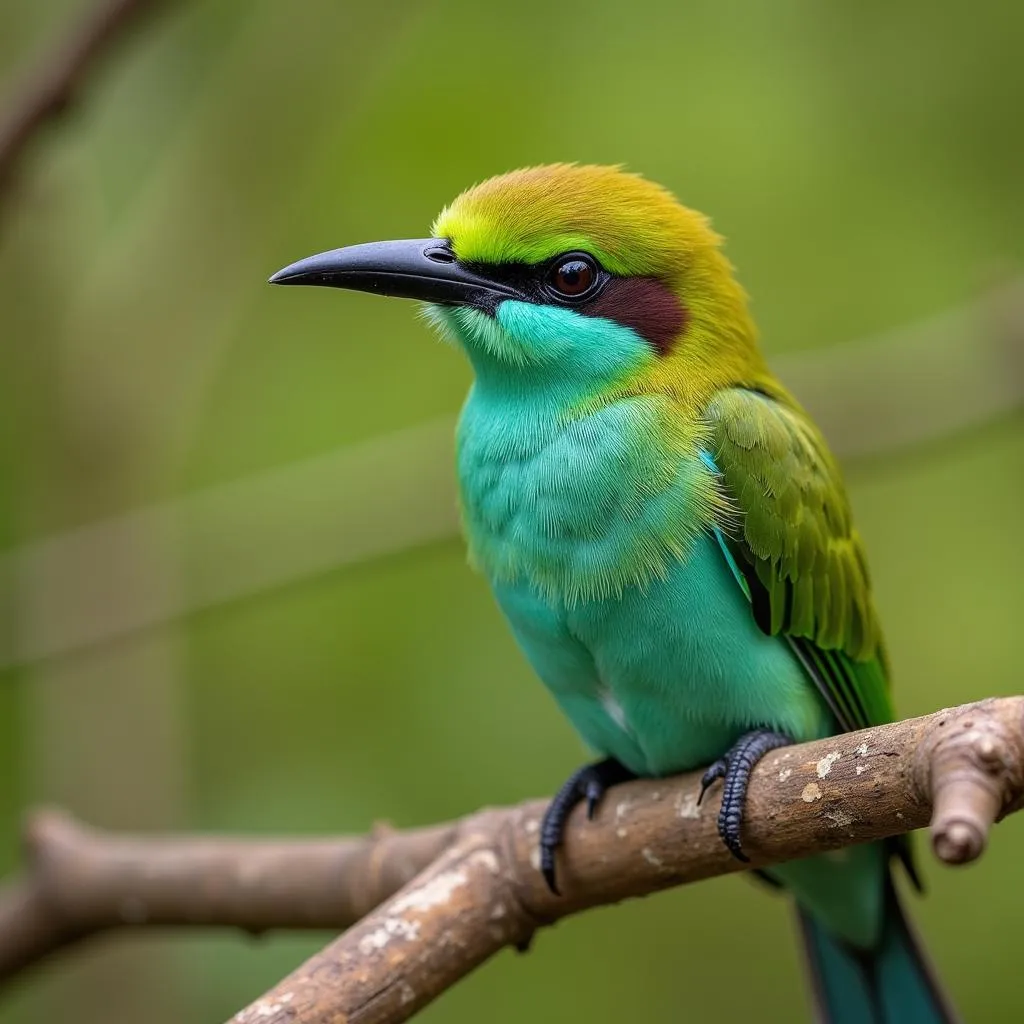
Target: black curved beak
[{"x": 419, "y": 268}]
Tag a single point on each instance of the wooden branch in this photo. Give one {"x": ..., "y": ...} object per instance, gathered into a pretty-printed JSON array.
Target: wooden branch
[
  {"x": 961, "y": 768},
  {"x": 81, "y": 881},
  {"x": 450, "y": 896},
  {"x": 59, "y": 80}
]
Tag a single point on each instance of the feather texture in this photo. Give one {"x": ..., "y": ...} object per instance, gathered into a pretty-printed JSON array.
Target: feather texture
[
  {"x": 796, "y": 528},
  {"x": 797, "y": 547}
]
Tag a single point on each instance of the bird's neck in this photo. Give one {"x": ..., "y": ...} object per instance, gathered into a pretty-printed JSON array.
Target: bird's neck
[
  {"x": 548, "y": 388},
  {"x": 579, "y": 504}
]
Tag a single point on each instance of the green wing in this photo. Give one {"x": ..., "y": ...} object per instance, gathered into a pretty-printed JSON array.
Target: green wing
[{"x": 797, "y": 551}]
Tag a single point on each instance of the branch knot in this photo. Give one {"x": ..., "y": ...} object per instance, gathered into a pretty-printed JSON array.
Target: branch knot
[{"x": 972, "y": 765}]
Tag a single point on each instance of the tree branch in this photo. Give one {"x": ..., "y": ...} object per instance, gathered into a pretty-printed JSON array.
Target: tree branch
[
  {"x": 59, "y": 80},
  {"x": 963, "y": 769},
  {"x": 450, "y": 896},
  {"x": 81, "y": 881}
]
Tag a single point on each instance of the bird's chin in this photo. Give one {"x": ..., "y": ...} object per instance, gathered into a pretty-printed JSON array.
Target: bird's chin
[
  {"x": 440, "y": 319},
  {"x": 480, "y": 334}
]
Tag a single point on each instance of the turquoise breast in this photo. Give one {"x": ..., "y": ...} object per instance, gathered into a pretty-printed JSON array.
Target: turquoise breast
[
  {"x": 662, "y": 673},
  {"x": 666, "y": 677}
]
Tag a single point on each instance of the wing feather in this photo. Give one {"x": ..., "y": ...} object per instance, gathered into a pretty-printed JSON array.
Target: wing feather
[{"x": 796, "y": 548}]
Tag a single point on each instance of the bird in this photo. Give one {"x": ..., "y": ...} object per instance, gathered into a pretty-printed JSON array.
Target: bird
[{"x": 662, "y": 524}]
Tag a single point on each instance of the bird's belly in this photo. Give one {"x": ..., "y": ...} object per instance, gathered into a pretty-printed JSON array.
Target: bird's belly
[{"x": 667, "y": 676}]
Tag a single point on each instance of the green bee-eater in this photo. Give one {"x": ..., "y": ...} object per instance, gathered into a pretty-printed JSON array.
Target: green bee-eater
[{"x": 660, "y": 521}]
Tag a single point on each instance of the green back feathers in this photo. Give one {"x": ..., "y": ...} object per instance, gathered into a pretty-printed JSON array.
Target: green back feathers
[{"x": 796, "y": 546}]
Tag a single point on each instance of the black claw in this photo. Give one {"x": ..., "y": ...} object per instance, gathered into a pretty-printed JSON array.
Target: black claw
[
  {"x": 735, "y": 768},
  {"x": 590, "y": 783},
  {"x": 715, "y": 771},
  {"x": 548, "y": 871}
]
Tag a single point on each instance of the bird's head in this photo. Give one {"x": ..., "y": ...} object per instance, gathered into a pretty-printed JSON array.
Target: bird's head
[{"x": 587, "y": 280}]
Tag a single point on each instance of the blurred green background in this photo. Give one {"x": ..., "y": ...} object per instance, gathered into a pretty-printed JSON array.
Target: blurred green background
[{"x": 865, "y": 163}]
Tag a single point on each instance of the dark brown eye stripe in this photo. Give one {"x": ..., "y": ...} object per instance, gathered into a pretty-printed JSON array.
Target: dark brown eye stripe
[{"x": 644, "y": 305}]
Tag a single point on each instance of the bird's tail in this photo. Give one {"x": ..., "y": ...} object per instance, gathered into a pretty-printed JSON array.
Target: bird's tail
[{"x": 893, "y": 984}]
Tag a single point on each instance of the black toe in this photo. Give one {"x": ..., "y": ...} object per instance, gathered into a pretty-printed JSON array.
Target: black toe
[
  {"x": 590, "y": 783},
  {"x": 736, "y": 768}
]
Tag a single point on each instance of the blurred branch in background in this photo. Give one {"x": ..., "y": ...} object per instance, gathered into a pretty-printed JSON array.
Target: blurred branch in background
[
  {"x": 81, "y": 753},
  {"x": 57, "y": 83},
  {"x": 89, "y": 722},
  {"x": 919, "y": 384},
  {"x": 876, "y": 397},
  {"x": 450, "y": 896}
]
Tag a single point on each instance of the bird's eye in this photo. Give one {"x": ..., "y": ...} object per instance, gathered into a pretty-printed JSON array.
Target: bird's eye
[{"x": 573, "y": 277}]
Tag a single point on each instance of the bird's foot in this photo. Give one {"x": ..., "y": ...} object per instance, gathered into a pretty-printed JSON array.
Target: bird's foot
[
  {"x": 735, "y": 768},
  {"x": 590, "y": 783}
]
